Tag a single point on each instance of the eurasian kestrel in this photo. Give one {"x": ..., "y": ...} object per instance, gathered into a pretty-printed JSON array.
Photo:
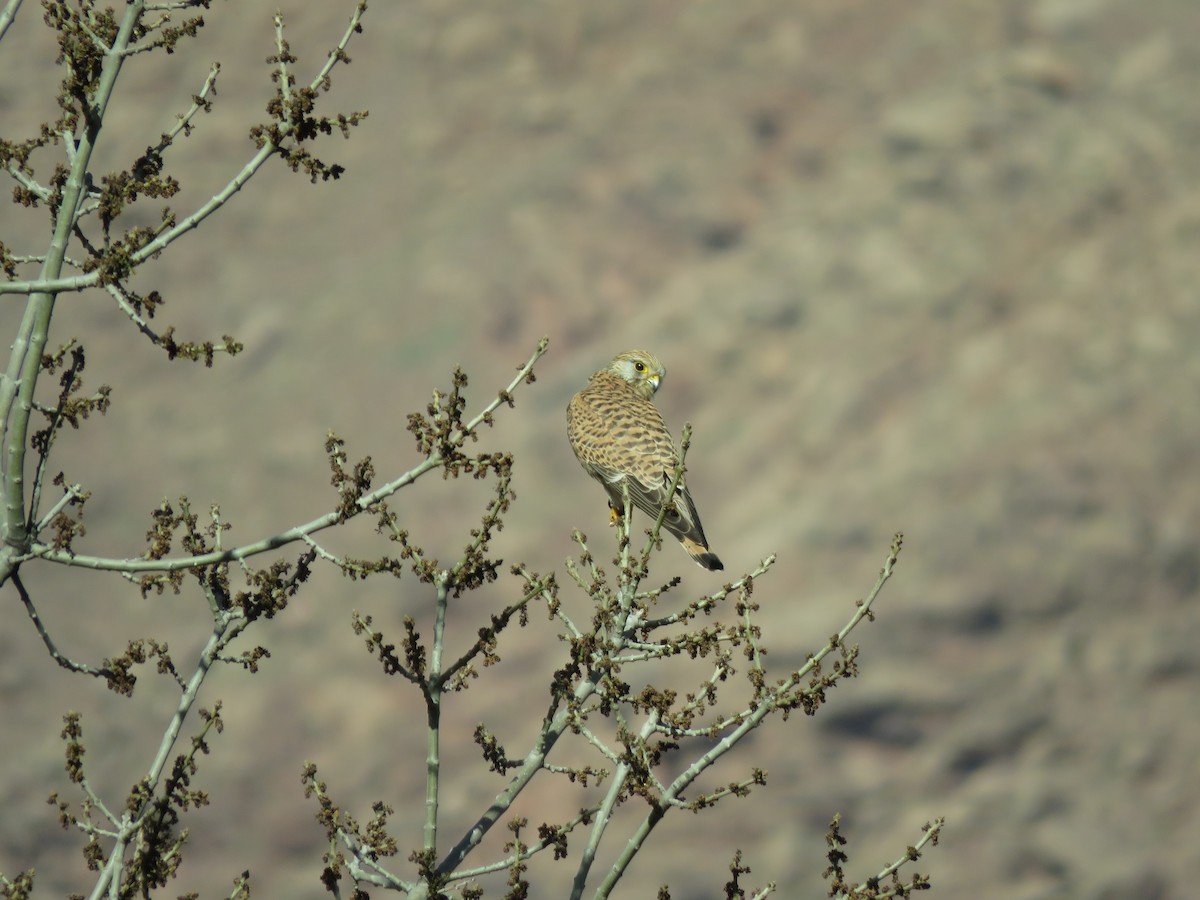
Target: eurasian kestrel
[{"x": 620, "y": 439}]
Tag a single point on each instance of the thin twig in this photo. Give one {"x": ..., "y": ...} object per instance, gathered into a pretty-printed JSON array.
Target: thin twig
[
  {"x": 58, "y": 285},
  {"x": 291, "y": 535},
  {"x": 62, "y": 503},
  {"x": 55, "y": 654}
]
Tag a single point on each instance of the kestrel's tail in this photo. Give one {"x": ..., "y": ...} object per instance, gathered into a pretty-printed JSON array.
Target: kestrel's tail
[{"x": 700, "y": 554}]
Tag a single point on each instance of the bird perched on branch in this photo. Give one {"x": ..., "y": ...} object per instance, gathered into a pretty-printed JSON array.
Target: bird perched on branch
[{"x": 620, "y": 439}]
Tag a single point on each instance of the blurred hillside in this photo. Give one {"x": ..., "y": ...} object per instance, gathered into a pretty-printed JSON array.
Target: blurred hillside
[{"x": 927, "y": 267}]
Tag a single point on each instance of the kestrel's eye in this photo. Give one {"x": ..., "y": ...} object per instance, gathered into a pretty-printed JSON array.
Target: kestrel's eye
[{"x": 641, "y": 367}]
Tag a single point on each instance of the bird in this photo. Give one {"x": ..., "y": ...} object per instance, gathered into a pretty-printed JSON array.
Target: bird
[{"x": 621, "y": 440}]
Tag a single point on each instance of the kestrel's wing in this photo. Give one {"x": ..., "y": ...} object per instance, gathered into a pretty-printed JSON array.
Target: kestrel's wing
[{"x": 649, "y": 484}]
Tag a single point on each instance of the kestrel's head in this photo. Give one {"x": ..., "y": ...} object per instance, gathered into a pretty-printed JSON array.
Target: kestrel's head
[{"x": 640, "y": 369}]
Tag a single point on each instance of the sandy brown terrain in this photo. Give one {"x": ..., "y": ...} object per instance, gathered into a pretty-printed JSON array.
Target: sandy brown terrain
[{"x": 920, "y": 266}]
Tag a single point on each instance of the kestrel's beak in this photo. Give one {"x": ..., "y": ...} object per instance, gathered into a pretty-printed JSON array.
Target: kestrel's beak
[{"x": 654, "y": 381}]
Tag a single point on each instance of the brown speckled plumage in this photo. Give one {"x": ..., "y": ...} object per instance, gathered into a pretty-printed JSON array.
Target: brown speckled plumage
[{"x": 620, "y": 439}]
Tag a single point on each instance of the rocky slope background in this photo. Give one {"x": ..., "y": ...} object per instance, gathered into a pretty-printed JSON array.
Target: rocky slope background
[{"x": 927, "y": 267}]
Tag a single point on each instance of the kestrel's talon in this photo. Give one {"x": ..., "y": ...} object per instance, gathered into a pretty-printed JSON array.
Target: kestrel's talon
[
  {"x": 614, "y": 515},
  {"x": 620, "y": 439}
]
